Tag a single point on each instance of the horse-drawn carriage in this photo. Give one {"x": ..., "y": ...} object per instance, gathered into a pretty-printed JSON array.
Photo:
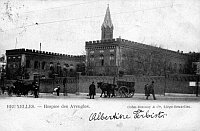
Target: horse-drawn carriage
[
  {"x": 17, "y": 87},
  {"x": 123, "y": 88}
]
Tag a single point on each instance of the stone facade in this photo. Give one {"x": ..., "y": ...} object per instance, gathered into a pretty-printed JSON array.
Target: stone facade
[
  {"x": 163, "y": 85},
  {"x": 110, "y": 56},
  {"x": 25, "y": 63},
  {"x": 194, "y": 59},
  {"x": 107, "y": 57}
]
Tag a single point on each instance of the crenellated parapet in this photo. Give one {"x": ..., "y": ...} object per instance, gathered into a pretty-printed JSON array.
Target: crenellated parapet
[
  {"x": 101, "y": 41},
  {"x": 128, "y": 43},
  {"x": 37, "y": 52}
]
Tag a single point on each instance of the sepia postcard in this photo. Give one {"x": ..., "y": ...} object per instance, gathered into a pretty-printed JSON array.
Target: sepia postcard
[{"x": 103, "y": 65}]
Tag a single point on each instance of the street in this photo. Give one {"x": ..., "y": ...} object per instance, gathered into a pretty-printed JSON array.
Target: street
[
  {"x": 136, "y": 97},
  {"x": 77, "y": 112}
]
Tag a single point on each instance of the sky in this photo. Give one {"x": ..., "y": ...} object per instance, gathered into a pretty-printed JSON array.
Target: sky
[{"x": 63, "y": 26}]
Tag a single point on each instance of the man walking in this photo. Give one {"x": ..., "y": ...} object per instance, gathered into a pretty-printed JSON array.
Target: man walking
[
  {"x": 92, "y": 90},
  {"x": 146, "y": 90},
  {"x": 151, "y": 90},
  {"x": 36, "y": 89}
]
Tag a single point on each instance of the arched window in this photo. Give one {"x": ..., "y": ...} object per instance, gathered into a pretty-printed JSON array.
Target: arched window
[
  {"x": 180, "y": 68},
  {"x": 59, "y": 69},
  {"x": 43, "y": 65},
  {"x": 175, "y": 67},
  {"x": 102, "y": 59},
  {"x": 123, "y": 60},
  {"x": 92, "y": 58},
  {"x": 51, "y": 64},
  {"x": 36, "y": 65},
  {"x": 112, "y": 59},
  {"x": 91, "y": 62},
  {"x": 92, "y": 52},
  {"x": 170, "y": 66}
]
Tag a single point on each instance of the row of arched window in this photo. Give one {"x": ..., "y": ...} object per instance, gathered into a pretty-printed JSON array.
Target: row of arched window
[
  {"x": 102, "y": 61},
  {"x": 101, "y": 57},
  {"x": 37, "y": 64}
]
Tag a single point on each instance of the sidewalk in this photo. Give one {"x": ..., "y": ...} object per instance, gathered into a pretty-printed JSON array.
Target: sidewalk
[
  {"x": 139, "y": 95},
  {"x": 180, "y": 94}
]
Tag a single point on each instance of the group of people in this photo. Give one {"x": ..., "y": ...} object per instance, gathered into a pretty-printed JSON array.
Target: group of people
[
  {"x": 18, "y": 88},
  {"x": 149, "y": 89}
]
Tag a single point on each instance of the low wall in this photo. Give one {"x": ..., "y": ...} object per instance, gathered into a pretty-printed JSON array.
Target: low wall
[
  {"x": 172, "y": 84},
  {"x": 48, "y": 85}
]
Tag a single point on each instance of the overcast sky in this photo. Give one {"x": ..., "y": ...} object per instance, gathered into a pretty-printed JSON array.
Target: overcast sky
[{"x": 63, "y": 26}]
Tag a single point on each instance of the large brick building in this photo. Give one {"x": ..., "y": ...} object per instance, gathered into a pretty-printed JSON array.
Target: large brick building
[
  {"x": 25, "y": 63},
  {"x": 110, "y": 56}
]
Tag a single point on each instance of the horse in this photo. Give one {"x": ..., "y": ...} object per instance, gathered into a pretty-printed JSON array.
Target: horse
[
  {"x": 21, "y": 88},
  {"x": 106, "y": 87},
  {"x": 26, "y": 88}
]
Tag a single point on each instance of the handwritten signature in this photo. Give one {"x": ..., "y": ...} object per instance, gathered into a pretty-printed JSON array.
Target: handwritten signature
[{"x": 136, "y": 115}]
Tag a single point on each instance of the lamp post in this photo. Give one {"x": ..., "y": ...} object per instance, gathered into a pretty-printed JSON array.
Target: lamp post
[
  {"x": 64, "y": 85},
  {"x": 197, "y": 76},
  {"x": 54, "y": 79}
]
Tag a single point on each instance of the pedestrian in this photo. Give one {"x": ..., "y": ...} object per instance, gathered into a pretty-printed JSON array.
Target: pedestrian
[
  {"x": 10, "y": 90},
  {"x": 151, "y": 90},
  {"x": 146, "y": 90},
  {"x": 92, "y": 91},
  {"x": 64, "y": 85},
  {"x": 36, "y": 89},
  {"x": 58, "y": 90}
]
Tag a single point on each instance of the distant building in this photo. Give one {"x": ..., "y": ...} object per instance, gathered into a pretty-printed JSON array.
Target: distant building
[
  {"x": 110, "y": 56},
  {"x": 195, "y": 60},
  {"x": 25, "y": 63},
  {"x": 2, "y": 67}
]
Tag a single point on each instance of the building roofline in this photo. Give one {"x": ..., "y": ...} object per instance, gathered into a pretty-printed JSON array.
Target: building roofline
[
  {"x": 122, "y": 41},
  {"x": 33, "y": 51}
]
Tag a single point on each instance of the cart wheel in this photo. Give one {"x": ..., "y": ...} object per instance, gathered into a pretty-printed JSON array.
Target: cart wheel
[{"x": 123, "y": 91}]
